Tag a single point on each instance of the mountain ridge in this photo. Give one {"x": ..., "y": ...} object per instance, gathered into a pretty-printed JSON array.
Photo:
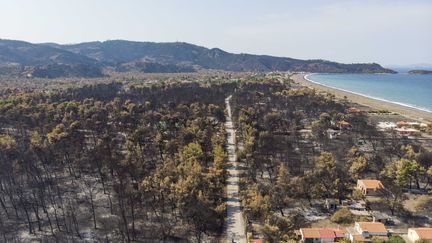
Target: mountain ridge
[{"x": 123, "y": 55}]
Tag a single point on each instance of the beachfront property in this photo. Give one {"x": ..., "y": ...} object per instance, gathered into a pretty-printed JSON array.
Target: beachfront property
[
  {"x": 403, "y": 131},
  {"x": 315, "y": 235},
  {"x": 363, "y": 231},
  {"x": 402, "y": 123},
  {"x": 417, "y": 234},
  {"x": 402, "y": 128},
  {"x": 408, "y": 124},
  {"x": 370, "y": 187}
]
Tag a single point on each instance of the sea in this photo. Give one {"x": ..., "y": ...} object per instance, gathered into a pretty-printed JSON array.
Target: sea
[{"x": 411, "y": 90}]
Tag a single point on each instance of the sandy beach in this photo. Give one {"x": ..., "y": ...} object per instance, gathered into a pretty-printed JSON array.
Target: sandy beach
[{"x": 365, "y": 101}]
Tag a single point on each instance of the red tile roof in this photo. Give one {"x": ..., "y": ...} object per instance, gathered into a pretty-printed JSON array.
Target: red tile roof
[
  {"x": 340, "y": 233},
  {"x": 424, "y": 233},
  {"x": 310, "y": 232},
  {"x": 371, "y": 184},
  {"x": 372, "y": 227},
  {"x": 322, "y": 233},
  {"x": 327, "y": 233}
]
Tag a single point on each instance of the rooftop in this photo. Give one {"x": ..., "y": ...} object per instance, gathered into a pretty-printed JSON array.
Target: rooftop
[
  {"x": 404, "y": 129},
  {"x": 424, "y": 233},
  {"x": 322, "y": 233},
  {"x": 371, "y": 184},
  {"x": 353, "y": 110},
  {"x": 372, "y": 227}
]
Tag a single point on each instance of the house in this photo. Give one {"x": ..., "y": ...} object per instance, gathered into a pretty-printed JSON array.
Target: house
[
  {"x": 414, "y": 124},
  {"x": 315, "y": 235},
  {"x": 369, "y": 229},
  {"x": 415, "y": 234},
  {"x": 402, "y": 123},
  {"x": 353, "y": 110},
  {"x": 366, "y": 230},
  {"x": 403, "y": 131},
  {"x": 370, "y": 187}
]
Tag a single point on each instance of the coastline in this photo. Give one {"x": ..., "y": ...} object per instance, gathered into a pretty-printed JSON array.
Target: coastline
[{"x": 373, "y": 103}]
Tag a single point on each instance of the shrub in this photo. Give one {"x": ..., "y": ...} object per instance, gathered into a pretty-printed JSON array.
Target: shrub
[
  {"x": 342, "y": 216},
  {"x": 395, "y": 239},
  {"x": 357, "y": 195}
]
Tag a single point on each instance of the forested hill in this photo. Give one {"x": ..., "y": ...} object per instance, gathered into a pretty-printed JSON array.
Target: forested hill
[{"x": 19, "y": 57}]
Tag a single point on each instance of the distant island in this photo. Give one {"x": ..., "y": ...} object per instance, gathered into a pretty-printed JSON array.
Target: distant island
[
  {"x": 93, "y": 59},
  {"x": 420, "y": 71}
]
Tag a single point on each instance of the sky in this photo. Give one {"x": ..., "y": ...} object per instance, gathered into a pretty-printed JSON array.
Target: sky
[{"x": 389, "y": 32}]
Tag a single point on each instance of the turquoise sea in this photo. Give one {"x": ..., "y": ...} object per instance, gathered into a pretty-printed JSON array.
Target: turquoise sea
[{"x": 402, "y": 88}]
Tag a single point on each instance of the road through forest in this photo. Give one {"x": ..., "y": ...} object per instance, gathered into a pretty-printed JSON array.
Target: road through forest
[{"x": 235, "y": 227}]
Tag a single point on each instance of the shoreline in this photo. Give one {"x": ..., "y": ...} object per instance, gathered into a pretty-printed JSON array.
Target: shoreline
[
  {"x": 371, "y": 102},
  {"x": 368, "y": 96}
]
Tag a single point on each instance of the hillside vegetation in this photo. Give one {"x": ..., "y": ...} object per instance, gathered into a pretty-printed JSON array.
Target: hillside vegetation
[{"x": 18, "y": 57}]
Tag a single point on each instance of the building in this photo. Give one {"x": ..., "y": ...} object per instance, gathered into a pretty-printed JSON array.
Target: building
[
  {"x": 415, "y": 234},
  {"x": 370, "y": 187},
  {"x": 315, "y": 235},
  {"x": 353, "y": 110},
  {"x": 414, "y": 124},
  {"x": 403, "y": 131},
  {"x": 366, "y": 230},
  {"x": 402, "y": 123}
]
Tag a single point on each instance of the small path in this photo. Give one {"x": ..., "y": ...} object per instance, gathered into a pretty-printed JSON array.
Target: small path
[{"x": 235, "y": 227}]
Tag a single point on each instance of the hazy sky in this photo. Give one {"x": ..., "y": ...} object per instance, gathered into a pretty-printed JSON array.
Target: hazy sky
[{"x": 383, "y": 31}]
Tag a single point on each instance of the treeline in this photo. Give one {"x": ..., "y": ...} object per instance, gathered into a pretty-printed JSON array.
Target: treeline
[{"x": 113, "y": 162}]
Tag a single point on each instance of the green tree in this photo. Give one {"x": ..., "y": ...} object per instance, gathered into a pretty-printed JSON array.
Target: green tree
[
  {"x": 329, "y": 177},
  {"x": 358, "y": 167},
  {"x": 404, "y": 172},
  {"x": 279, "y": 197}
]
